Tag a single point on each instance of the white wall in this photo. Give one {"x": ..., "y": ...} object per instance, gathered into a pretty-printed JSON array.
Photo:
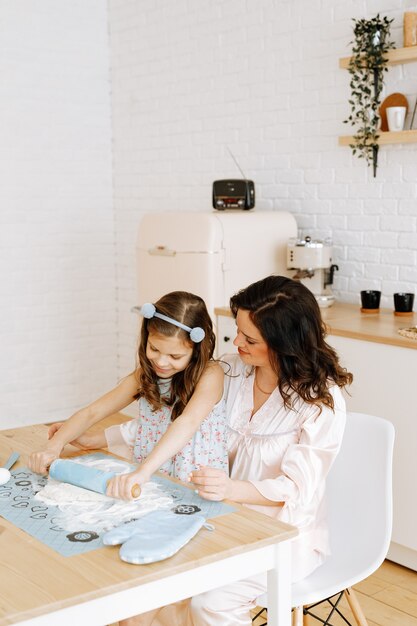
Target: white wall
[
  {"x": 192, "y": 77},
  {"x": 58, "y": 297},
  {"x": 188, "y": 79}
]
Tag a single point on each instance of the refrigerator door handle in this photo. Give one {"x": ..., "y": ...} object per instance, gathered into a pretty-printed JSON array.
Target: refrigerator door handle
[
  {"x": 162, "y": 251},
  {"x": 226, "y": 259}
]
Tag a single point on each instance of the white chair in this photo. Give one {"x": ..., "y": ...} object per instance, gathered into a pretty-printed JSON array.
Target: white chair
[{"x": 359, "y": 504}]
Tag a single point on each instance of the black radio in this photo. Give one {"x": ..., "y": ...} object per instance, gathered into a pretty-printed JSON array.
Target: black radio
[{"x": 233, "y": 194}]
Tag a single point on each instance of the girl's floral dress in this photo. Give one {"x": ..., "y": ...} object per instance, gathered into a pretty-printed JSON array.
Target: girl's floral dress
[{"x": 136, "y": 438}]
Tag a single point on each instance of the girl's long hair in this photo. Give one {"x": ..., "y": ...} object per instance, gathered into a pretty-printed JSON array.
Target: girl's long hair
[
  {"x": 288, "y": 317},
  {"x": 190, "y": 310}
]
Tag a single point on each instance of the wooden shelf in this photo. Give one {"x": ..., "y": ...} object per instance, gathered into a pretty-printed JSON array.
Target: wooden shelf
[
  {"x": 395, "y": 57},
  {"x": 385, "y": 138}
]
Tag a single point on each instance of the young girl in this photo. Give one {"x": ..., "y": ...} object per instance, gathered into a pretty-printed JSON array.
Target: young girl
[{"x": 181, "y": 422}]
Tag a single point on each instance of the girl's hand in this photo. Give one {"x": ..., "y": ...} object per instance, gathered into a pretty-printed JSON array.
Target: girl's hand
[
  {"x": 121, "y": 485},
  {"x": 212, "y": 484},
  {"x": 40, "y": 461}
]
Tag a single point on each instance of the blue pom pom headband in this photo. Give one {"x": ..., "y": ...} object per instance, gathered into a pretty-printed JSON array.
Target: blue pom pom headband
[{"x": 149, "y": 311}]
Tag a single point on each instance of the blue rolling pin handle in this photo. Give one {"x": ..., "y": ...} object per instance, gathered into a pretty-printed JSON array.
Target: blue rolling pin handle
[{"x": 80, "y": 475}]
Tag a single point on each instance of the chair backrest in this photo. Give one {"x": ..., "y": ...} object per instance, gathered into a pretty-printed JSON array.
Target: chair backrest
[{"x": 359, "y": 490}]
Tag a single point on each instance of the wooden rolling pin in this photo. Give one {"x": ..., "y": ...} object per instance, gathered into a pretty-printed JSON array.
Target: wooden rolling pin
[{"x": 91, "y": 478}]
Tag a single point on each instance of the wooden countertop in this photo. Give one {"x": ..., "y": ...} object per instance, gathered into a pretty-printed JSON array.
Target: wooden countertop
[{"x": 346, "y": 320}]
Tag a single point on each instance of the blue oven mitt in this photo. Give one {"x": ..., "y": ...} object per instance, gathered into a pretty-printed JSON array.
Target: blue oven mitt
[{"x": 154, "y": 537}]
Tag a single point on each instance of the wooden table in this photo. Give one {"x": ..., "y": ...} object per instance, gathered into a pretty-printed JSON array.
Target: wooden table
[{"x": 40, "y": 587}]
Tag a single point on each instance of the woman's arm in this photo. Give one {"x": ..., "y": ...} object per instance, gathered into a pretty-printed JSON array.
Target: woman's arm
[
  {"x": 214, "y": 484},
  {"x": 303, "y": 470},
  {"x": 208, "y": 392},
  {"x": 306, "y": 463},
  {"x": 112, "y": 402}
]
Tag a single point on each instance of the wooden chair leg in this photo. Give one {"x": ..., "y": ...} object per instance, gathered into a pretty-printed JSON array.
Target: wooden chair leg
[
  {"x": 355, "y": 607},
  {"x": 297, "y": 616}
]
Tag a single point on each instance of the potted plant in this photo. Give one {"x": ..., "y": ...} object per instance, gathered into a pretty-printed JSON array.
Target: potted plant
[{"x": 366, "y": 67}]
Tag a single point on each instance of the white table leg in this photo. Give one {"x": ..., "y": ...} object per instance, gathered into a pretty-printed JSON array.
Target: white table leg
[{"x": 279, "y": 587}]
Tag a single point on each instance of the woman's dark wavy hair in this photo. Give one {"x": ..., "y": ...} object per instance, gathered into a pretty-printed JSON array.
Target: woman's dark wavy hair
[
  {"x": 190, "y": 310},
  {"x": 288, "y": 317}
]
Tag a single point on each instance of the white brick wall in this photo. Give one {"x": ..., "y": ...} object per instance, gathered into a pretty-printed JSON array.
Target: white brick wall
[
  {"x": 260, "y": 76},
  {"x": 188, "y": 79},
  {"x": 58, "y": 300}
]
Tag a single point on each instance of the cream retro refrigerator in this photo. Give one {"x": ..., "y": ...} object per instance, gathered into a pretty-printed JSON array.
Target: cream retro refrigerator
[{"x": 212, "y": 254}]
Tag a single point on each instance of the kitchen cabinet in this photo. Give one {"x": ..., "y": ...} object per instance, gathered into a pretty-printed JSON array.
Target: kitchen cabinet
[{"x": 384, "y": 366}]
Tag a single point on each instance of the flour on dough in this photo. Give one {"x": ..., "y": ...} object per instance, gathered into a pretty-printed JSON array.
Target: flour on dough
[{"x": 82, "y": 509}]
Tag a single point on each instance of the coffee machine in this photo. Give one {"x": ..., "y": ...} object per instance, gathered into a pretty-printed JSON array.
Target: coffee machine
[{"x": 312, "y": 260}]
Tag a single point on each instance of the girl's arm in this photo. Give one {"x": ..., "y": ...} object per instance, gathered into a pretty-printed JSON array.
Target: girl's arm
[
  {"x": 208, "y": 392},
  {"x": 112, "y": 402}
]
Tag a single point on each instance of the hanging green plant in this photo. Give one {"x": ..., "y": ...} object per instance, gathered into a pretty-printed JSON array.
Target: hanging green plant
[{"x": 367, "y": 66}]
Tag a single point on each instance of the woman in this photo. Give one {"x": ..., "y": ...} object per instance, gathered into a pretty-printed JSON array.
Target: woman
[{"x": 286, "y": 417}]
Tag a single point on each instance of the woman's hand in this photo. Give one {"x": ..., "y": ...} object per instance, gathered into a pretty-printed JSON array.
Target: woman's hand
[
  {"x": 121, "y": 485},
  {"x": 54, "y": 429},
  {"x": 83, "y": 442},
  {"x": 212, "y": 484}
]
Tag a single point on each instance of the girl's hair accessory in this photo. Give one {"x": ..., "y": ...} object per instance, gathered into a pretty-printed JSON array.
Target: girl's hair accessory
[{"x": 149, "y": 311}]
